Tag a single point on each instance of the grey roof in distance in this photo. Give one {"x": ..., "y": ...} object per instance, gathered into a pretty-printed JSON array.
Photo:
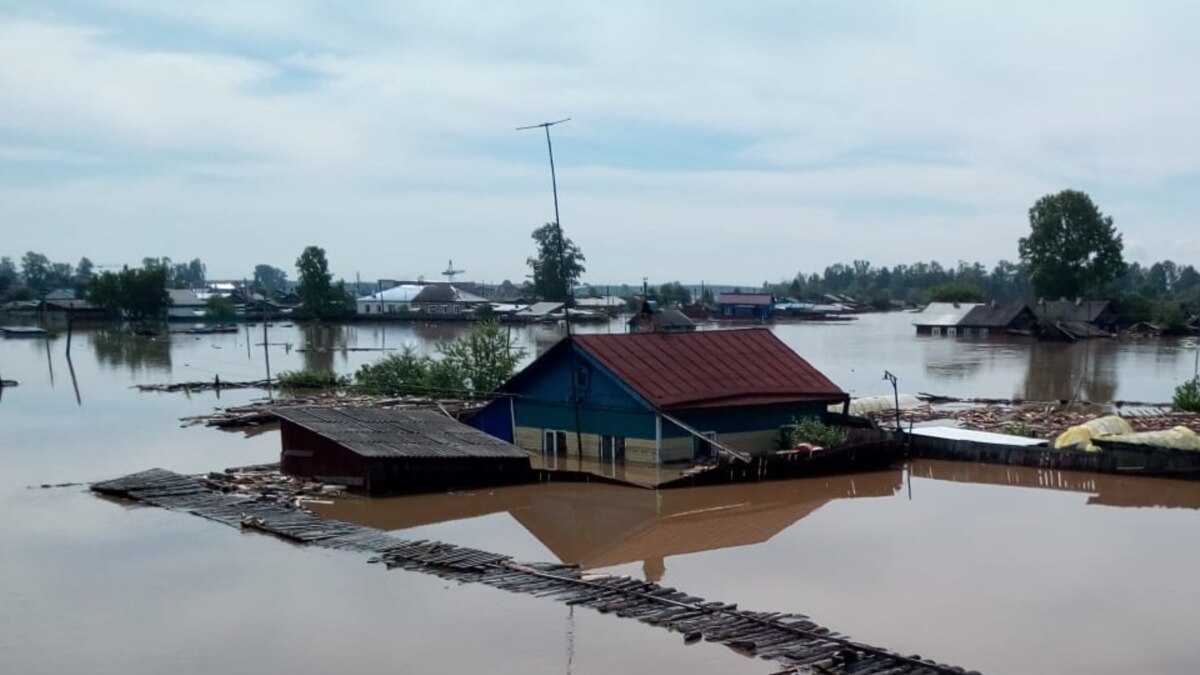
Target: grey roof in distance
[{"x": 408, "y": 433}]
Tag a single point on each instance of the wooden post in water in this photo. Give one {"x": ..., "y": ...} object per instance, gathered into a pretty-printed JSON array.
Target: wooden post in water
[{"x": 266, "y": 351}]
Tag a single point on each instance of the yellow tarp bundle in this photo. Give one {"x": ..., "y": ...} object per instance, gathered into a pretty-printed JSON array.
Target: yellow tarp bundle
[
  {"x": 1179, "y": 438},
  {"x": 1083, "y": 434},
  {"x": 1113, "y": 428}
]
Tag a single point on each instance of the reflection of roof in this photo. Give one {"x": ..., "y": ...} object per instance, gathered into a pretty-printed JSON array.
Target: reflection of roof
[
  {"x": 989, "y": 316},
  {"x": 944, "y": 313},
  {"x": 744, "y": 299},
  {"x": 606, "y": 526},
  {"x": 710, "y": 368},
  {"x": 374, "y": 432}
]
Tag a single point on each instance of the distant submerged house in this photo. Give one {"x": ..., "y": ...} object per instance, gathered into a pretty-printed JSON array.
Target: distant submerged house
[
  {"x": 185, "y": 304},
  {"x": 943, "y": 318},
  {"x": 659, "y": 319},
  {"x": 1078, "y": 318},
  {"x": 1012, "y": 318},
  {"x": 658, "y": 398},
  {"x": 751, "y": 306}
]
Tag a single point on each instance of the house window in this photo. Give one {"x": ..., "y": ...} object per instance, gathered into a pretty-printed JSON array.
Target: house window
[
  {"x": 702, "y": 448},
  {"x": 368, "y": 308},
  {"x": 983, "y": 332},
  {"x": 967, "y": 332},
  {"x": 951, "y": 332},
  {"x": 554, "y": 447},
  {"x": 612, "y": 450},
  {"x": 936, "y": 331}
]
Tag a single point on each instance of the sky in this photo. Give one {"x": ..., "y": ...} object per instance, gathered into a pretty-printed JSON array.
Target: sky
[{"x": 709, "y": 141}]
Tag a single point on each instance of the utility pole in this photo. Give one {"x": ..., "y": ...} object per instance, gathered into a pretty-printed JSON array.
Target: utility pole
[
  {"x": 562, "y": 269},
  {"x": 562, "y": 263}
]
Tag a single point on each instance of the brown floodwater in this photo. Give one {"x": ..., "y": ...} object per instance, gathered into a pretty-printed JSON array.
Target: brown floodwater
[{"x": 1003, "y": 570}]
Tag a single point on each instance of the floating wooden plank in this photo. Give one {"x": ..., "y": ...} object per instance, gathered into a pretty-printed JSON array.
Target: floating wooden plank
[{"x": 792, "y": 641}]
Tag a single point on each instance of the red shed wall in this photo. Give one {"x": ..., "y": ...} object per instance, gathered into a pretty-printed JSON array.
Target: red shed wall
[{"x": 310, "y": 455}]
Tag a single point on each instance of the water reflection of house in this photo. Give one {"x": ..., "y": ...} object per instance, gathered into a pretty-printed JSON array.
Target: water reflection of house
[
  {"x": 596, "y": 525},
  {"x": 658, "y": 398}
]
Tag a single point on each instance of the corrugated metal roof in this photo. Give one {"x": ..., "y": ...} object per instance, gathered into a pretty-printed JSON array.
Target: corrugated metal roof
[
  {"x": 988, "y": 316},
  {"x": 1082, "y": 310},
  {"x": 711, "y": 368},
  {"x": 401, "y": 293},
  {"x": 944, "y": 313},
  {"x": 960, "y": 434},
  {"x": 375, "y": 432}
]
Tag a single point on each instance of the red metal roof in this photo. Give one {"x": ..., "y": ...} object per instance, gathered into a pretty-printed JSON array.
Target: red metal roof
[{"x": 709, "y": 369}]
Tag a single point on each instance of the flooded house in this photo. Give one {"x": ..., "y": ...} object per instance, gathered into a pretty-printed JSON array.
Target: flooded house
[
  {"x": 185, "y": 304},
  {"x": 445, "y": 300},
  {"x": 659, "y": 319},
  {"x": 659, "y": 398},
  {"x": 993, "y": 318},
  {"x": 383, "y": 451},
  {"x": 943, "y": 318},
  {"x": 397, "y": 299},
  {"x": 745, "y": 306},
  {"x": 1077, "y": 318}
]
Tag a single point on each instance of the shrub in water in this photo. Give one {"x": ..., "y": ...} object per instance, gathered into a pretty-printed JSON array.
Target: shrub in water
[{"x": 311, "y": 379}]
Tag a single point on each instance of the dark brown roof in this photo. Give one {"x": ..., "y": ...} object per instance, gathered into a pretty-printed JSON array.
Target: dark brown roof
[
  {"x": 1086, "y": 311},
  {"x": 711, "y": 368},
  {"x": 1000, "y": 316},
  {"x": 375, "y": 432}
]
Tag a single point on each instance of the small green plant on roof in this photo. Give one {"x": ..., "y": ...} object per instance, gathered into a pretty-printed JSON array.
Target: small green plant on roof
[
  {"x": 1019, "y": 428},
  {"x": 1187, "y": 396},
  {"x": 812, "y": 430},
  {"x": 312, "y": 379}
]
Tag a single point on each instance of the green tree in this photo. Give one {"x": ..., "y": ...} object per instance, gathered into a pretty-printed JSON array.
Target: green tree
[
  {"x": 221, "y": 308},
  {"x": 484, "y": 359},
  {"x": 83, "y": 272},
  {"x": 316, "y": 291},
  {"x": 9, "y": 278},
  {"x": 1072, "y": 250},
  {"x": 557, "y": 265},
  {"x": 188, "y": 275},
  {"x": 35, "y": 268},
  {"x": 135, "y": 293},
  {"x": 269, "y": 280}
]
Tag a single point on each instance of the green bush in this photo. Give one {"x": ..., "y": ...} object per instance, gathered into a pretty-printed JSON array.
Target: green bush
[
  {"x": 812, "y": 430},
  {"x": 1187, "y": 396},
  {"x": 311, "y": 379},
  {"x": 472, "y": 365}
]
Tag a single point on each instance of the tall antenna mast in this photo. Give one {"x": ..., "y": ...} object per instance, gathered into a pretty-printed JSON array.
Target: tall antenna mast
[{"x": 562, "y": 261}]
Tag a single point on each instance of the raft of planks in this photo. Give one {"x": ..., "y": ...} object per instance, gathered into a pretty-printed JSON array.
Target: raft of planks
[{"x": 793, "y": 641}]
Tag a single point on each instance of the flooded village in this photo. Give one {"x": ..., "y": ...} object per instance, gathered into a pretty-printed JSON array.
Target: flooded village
[
  {"x": 767, "y": 339},
  {"x": 872, "y": 540}
]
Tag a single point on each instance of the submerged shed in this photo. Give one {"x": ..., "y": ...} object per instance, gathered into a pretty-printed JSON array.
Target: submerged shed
[{"x": 389, "y": 451}]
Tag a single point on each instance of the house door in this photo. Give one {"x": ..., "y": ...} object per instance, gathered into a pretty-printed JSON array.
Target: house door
[
  {"x": 702, "y": 448},
  {"x": 612, "y": 453},
  {"x": 554, "y": 447}
]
